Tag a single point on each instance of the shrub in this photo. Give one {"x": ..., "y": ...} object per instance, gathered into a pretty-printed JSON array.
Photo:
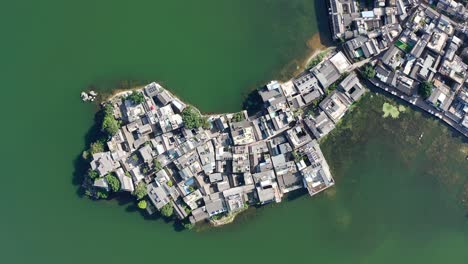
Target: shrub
[
  {"x": 85, "y": 155},
  {"x": 191, "y": 188},
  {"x": 317, "y": 59}
]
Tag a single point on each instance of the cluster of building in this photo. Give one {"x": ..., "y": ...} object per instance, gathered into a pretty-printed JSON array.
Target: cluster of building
[
  {"x": 240, "y": 160},
  {"x": 454, "y": 9},
  {"x": 237, "y": 161},
  {"x": 410, "y": 43}
]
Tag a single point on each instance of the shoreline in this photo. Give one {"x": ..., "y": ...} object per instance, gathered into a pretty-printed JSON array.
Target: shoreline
[
  {"x": 315, "y": 47},
  {"x": 154, "y": 113}
]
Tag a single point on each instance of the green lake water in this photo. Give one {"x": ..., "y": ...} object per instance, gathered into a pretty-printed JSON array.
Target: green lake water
[{"x": 398, "y": 199}]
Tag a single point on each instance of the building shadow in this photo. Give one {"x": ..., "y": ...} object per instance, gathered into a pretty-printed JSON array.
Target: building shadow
[
  {"x": 291, "y": 196},
  {"x": 253, "y": 102},
  {"x": 323, "y": 24}
]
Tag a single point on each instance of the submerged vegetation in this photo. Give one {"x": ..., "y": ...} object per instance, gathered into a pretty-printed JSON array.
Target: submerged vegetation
[
  {"x": 391, "y": 110},
  {"x": 411, "y": 135}
]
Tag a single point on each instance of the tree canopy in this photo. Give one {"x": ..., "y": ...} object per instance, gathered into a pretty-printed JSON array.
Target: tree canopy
[
  {"x": 167, "y": 210},
  {"x": 170, "y": 183},
  {"x": 425, "y": 89},
  {"x": 193, "y": 119},
  {"x": 136, "y": 97},
  {"x": 114, "y": 182},
  {"x": 157, "y": 165},
  {"x": 109, "y": 124},
  {"x": 142, "y": 204},
  {"x": 368, "y": 71},
  {"x": 92, "y": 174},
  {"x": 96, "y": 147},
  {"x": 140, "y": 190},
  {"x": 237, "y": 117}
]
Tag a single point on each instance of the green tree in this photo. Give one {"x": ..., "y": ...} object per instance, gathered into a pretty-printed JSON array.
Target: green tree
[
  {"x": 368, "y": 71},
  {"x": 140, "y": 190},
  {"x": 113, "y": 181},
  {"x": 92, "y": 174},
  {"x": 205, "y": 123},
  {"x": 425, "y": 89},
  {"x": 134, "y": 157},
  {"x": 237, "y": 117},
  {"x": 193, "y": 119},
  {"x": 170, "y": 183},
  {"x": 187, "y": 225},
  {"x": 297, "y": 157},
  {"x": 142, "y": 204},
  {"x": 157, "y": 165},
  {"x": 167, "y": 210},
  {"x": 109, "y": 124},
  {"x": 96, "y": 147},
  {"x": 136, "y": 97}
]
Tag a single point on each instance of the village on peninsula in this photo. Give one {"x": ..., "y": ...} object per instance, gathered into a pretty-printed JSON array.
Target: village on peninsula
[{"x": 180, "y": 163}]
